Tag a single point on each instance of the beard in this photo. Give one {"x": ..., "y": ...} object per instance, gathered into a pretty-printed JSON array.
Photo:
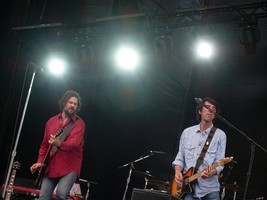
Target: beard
[{"x": 69, "y": 112}]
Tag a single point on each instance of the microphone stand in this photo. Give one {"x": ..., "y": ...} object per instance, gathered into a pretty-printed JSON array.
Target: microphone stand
[
  {"x": 235, "y": 191},
  {"x": 131, "y": 169},
  {"x": 253, "y": 144},
  {"x": 14, "y": 152}
]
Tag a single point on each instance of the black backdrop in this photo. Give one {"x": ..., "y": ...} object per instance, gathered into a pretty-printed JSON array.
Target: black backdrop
[{"x": 127, "y": 115}]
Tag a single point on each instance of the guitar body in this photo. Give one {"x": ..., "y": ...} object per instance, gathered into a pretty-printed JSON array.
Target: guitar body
[
  {"x": 179, "y": 192},
  {"x": 191, "y": 176}
]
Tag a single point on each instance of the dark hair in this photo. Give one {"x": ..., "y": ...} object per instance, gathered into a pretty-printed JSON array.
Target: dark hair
[
  {"x": 66, "y": 96},
  {"x": 200, "y": 106}
]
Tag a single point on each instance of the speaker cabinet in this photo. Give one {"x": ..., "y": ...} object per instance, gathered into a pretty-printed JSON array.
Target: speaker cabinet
[{"x": 146, "y": 194}]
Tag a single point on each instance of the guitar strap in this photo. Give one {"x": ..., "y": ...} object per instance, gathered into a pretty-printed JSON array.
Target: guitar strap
[
  {"x": 205, "y": 148},
  {"x": 63, "y": 135}
]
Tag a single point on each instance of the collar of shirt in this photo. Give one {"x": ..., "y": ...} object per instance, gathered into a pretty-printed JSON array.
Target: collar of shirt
[
  {"x": 206, "y": 131},
  {"x": 74, "y": 117}
]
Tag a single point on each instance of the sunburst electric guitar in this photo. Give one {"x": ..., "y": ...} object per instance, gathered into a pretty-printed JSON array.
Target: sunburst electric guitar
[
  {"x": 45, "y": 162},
  {"x": 189, "y": 177}
]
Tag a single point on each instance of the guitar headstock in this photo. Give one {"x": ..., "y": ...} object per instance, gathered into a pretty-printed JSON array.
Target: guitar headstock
[
  {"x": 16, "y": 165},
  {"x": 225, "y": 161}
]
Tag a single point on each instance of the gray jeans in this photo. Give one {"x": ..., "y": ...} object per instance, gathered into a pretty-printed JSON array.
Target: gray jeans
[
  {"x": 64, "y": 185},
  {"x": 210, "y": 196}
]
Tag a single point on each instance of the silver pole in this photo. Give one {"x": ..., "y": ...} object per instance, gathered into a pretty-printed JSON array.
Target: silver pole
[{"x": 14, "y": 152}]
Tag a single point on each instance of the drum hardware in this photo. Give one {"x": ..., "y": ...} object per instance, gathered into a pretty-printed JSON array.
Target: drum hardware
[
  {"x": 230, "y": 167},
  {"x": 88, "y": 183},
  {"x": 131, "y": 166},
  {"x": 159, "y": 185},
  {"x": 233, "y": 187},
  {"x": 146, "y": 175},
  {"x": 143, "y": 174}
]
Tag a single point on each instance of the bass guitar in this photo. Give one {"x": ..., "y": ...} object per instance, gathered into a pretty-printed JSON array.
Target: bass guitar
[
  {"x": 47, "y": 158},
  {"x": 189, "y": 177}
]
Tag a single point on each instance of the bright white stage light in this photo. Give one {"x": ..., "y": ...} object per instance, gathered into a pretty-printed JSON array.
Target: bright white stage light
[
  {"x": 204, "y": 49},
  {"x": 56, "y": 66},
  {"x": 127, "y": 58}
]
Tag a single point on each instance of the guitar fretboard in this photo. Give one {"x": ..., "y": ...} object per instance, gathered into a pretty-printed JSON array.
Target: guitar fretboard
[{"x": 197, "y": 175}]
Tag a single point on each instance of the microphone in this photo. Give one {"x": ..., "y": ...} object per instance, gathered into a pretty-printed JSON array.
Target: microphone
[
  {"x": 198, "y": 100},
  {"x": 157, "y": 152},
  {"x": 38, "y": 67}
]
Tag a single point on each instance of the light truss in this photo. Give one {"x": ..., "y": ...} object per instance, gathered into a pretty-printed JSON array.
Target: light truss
[
  {"x": 211, "y": 15},
  {"x": 144, "y": 21}
]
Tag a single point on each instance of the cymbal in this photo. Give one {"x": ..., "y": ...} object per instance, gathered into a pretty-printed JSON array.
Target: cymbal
[
  {"x": 143, "y": 174},
  {"x": 232, "y": 187},
  {"x": 159, "y": 185}
]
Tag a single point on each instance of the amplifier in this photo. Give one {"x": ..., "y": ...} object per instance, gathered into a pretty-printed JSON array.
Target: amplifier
[{"x": 147, "y": 194}]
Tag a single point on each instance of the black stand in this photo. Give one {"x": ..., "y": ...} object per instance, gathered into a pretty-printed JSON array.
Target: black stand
[
  {"x": 225, "y": 179},
  {"x": 131, "y": 169},
  {"x": 14, "y": 152},
  {"x": 88, "y": 183},
  {"x": 252, "y": 143}
]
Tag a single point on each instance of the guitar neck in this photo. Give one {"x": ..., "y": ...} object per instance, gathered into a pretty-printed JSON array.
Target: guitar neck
[
  {"x": 197, "y": 175},
  {"x": 47, "y": 156}
]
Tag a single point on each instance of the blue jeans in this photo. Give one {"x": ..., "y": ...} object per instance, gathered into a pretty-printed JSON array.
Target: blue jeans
[
  {"x": 210, "y": 196},
  {"x": 64, "y": 185}
]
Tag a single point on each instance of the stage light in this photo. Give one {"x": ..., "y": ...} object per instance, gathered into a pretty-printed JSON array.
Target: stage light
[
  {"x": 56, "y": 66},
  {"x": 204, "y": 42},
  {"x": 249, "y": 36},
  {"x": 84, "y": 57},
  {"x": 127, "y": 58},
  {"x": 163, "y": 44},
  {"x": 204, "y": 49}
]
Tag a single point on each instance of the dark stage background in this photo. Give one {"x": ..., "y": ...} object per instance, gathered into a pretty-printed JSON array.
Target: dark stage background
[{"x": 129, "y": 114}]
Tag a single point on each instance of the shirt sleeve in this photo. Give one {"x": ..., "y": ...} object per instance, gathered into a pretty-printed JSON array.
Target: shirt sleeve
[
  {"x": 221, "y": 150},
  {"x": 179, "y": 159}
]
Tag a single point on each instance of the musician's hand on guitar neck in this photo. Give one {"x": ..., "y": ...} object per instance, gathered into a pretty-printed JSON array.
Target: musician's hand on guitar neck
[
  {"x": 206, "y": 174},
  {"x": 54, "y": 141},
  {"x": 35, "y": 167}
]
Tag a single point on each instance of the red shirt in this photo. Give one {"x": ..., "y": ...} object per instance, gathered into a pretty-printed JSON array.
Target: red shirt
[{"x": 69, "y": 156}]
